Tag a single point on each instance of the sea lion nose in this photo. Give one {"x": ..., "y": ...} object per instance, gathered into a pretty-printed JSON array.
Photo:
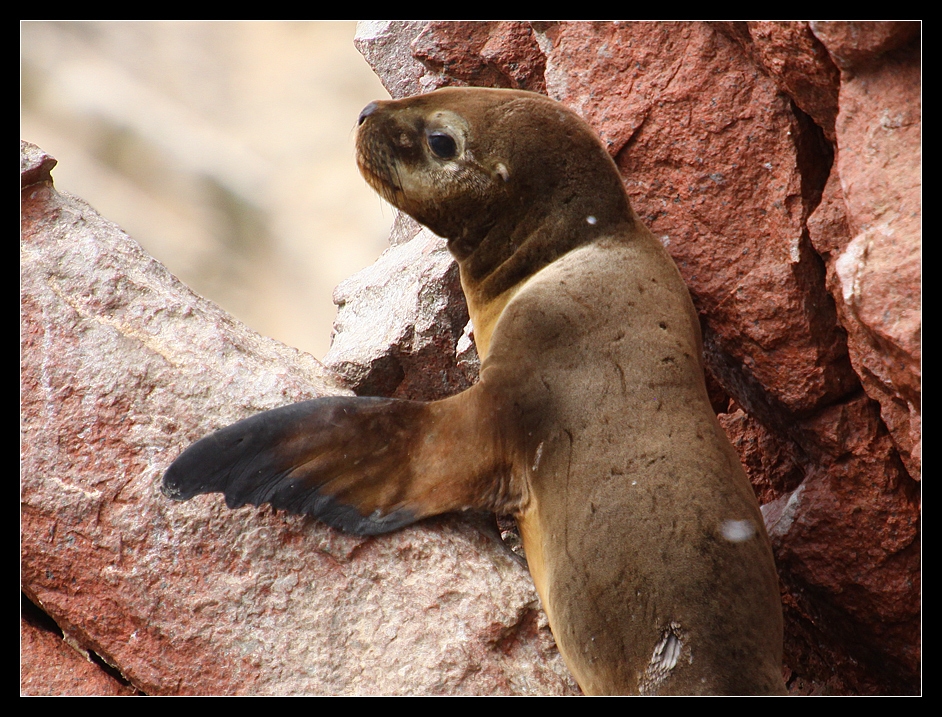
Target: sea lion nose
[{"x": 367, "y": 111}]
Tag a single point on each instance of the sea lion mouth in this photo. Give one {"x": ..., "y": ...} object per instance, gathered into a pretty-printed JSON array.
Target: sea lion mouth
[
  {"x": 376, "y": 160},
  {"x": 380, "y": 170},
  {"x": 380, "y": 182}
]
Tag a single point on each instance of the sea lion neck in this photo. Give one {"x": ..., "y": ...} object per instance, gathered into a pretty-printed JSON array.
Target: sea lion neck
[
  {"x": 509, "y": 253},
  {"x": 501, "y": 254},
  {"x": 555, "y": 186}
]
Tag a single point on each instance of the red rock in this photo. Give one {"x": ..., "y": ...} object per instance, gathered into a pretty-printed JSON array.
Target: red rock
[
  {"x": 788, "y": 193},
  {"x": 796, "y": 61},
  {"x": 852, "y": 44},
  {"x": 49, "y": 666}
]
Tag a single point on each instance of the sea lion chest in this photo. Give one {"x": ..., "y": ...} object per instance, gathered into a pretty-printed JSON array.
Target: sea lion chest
[{"x": 628, "y": 477}]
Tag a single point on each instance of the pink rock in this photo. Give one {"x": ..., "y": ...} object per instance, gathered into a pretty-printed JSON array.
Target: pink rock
[{"x": 121, "y": 368}]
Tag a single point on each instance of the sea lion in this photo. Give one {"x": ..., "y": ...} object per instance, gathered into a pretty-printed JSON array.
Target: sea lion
[{"x": 590, "y": 423}]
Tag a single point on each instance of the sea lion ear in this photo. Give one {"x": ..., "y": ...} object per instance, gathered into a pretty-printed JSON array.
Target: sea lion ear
[
  {"x": 500, "y": 169},
  {"x": 353, "y": 463}
]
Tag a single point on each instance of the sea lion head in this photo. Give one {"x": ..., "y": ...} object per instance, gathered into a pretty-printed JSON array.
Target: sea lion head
[{"x": 498, "y": 173}]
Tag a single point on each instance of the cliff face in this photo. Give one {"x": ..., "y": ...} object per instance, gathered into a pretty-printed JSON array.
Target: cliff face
[
  {"x": 779, "y": 163},
  {"x": 772, "y": 158}
]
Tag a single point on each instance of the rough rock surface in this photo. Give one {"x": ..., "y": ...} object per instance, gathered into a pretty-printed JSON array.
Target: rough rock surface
[
  {"x": 121, "y": 368},
  {"x": 400, "y": 320},
  {"x": 51, "y": 666},
  {"x": 780, "y": 164}
]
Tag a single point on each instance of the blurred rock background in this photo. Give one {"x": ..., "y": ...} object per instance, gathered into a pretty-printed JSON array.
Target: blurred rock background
[{"x": 224, "y": 147}]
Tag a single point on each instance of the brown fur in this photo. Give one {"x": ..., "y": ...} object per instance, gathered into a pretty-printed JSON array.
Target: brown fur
[{"x": 590, "y": 423}]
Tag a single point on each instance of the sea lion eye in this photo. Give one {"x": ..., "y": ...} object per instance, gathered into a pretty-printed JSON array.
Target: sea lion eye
[{"x": 443, "y": 145}]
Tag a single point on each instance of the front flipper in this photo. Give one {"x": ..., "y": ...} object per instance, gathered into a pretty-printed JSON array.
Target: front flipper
[{"x": 363, "y": 465}]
